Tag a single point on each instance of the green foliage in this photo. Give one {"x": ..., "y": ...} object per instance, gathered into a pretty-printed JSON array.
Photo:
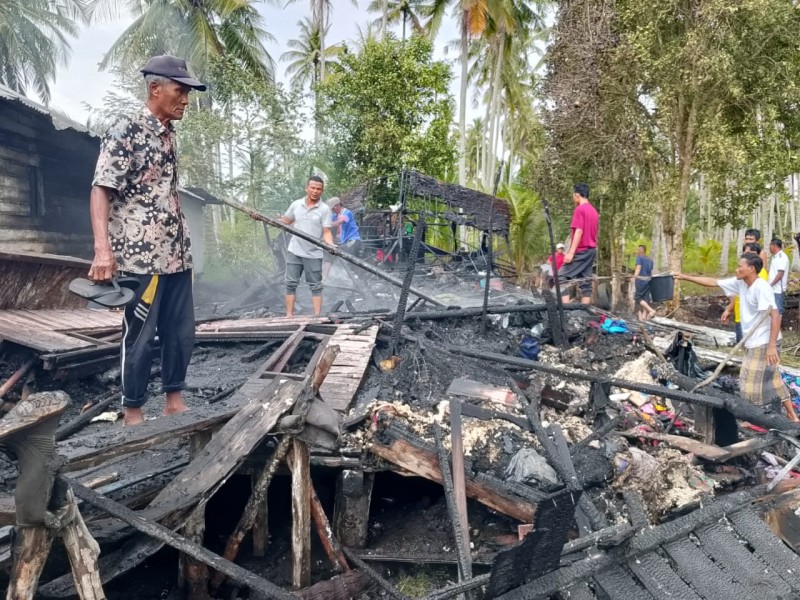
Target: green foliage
[
  {"x": 385, "y": 107},
  {"x": 33, "y": 41},
  {"x": 716, "y": 93},
  {"x": 242, "y": 248},
  {"x": 247, "y": 143},
  {"x": 530, "y": 243},
  {"x": 202, "y": 31}
]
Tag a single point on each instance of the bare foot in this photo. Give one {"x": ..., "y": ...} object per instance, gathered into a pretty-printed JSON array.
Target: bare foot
[
  {"x": 174, "y": 404},
  {"x": 133, "y": 416},
  {"x": 651, "y": 314}
]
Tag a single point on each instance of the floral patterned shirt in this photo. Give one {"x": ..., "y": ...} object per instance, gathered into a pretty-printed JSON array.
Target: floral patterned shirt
[{"x": 146, "y": 226}]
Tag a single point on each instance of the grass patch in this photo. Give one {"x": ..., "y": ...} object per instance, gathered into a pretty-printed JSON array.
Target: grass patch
[{"x": 420, "y": 581}]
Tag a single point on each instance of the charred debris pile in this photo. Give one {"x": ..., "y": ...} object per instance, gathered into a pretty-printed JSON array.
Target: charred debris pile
[{"x": 514, "y": 454}]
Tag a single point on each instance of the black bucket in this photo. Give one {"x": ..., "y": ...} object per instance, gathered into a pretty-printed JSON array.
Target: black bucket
[{"x": 662, "y": 288}]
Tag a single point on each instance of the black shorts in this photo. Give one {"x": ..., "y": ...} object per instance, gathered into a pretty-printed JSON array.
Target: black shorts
[
  {"x": 643, "y": 292},
  {"x": 580, "y": 268}
]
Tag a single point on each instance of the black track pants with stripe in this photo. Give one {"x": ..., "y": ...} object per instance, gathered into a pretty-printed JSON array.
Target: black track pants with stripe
[{"x": 163, "y": 306}]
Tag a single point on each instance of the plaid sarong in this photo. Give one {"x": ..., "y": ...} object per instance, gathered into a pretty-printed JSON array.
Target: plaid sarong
[{"x": 760, "y": 382}]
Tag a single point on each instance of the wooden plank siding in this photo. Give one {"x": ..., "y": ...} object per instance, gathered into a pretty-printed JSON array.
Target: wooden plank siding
[{"x": 45, "y": 179}]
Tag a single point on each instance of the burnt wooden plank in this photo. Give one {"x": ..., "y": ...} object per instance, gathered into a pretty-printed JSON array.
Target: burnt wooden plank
[
  {"x": 731, "y": 555},
  {"x": 348, "y": 370},
  {"x": 36, "y": 338},
  {"x": 94, "y": 449},
  {"x": 619, "y": 585},
  {"x": 219, "y": 459},
  {"x": 301, "y": 514},
  {"x": 540, "y": 550},
  {"x": 707, "y": 578},
  {"x": 660, "y": 579},
  {"x": 421, "y": 460},
  {"x": 165, "y": 536},
  {"x": 32, "y": 283},
  {"x": 767, "y": 546}
]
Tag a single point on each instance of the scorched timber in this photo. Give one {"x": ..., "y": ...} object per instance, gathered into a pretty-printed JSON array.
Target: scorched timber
[
  {"x": 226, "y": 451},
  {"x": 738, "y": 407},
  {"x": 164, "y": 535},
  {"x": 412, "y": 454}
]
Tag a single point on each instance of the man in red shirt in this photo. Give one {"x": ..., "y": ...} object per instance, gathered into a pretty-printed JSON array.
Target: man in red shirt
[{"x": 579, "y": 261}]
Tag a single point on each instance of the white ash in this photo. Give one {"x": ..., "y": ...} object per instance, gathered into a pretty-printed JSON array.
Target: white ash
[
  {"x": 665, "y": 479},
  {"x": 637, "y": 370}
]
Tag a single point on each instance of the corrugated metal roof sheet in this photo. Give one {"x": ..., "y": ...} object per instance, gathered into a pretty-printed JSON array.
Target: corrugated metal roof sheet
[{"x": 60, "y": 121}]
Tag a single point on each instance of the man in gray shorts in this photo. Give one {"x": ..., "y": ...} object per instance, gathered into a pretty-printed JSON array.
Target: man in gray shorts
[{"x": 313, "y": 217}]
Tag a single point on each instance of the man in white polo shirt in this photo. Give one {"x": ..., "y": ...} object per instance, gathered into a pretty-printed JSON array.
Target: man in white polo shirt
[
  {"x": 778, "y": 272},
  {"x": 759, "y": 379},
  {"x": 312, "y": 216}
]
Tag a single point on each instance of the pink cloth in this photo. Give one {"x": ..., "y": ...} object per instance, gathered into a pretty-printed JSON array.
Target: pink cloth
[{"x": 586, "y": 219}]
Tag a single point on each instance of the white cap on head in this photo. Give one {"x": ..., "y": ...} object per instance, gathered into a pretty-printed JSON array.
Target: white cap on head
[
  {"x": 559, "y": 246},
  {"x": 335, "y": 201}
]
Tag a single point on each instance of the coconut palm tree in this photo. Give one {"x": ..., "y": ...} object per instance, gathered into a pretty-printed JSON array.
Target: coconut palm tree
[
  {"x": 320, "y": 13},
  {"x": 34, "y": 41},
  {"x": 199, "y": 30},
  {"x": 473, "y": 16},
  {"x": 306, "y": 54},
  {"x": 305, "y": 59},
  {"x": 394, "y": 12}
]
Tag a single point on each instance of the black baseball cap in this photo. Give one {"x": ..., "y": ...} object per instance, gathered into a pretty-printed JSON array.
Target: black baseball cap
[{"x": 173, "y": 68}]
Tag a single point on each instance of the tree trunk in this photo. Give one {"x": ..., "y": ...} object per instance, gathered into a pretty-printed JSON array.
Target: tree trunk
[
  {"x": 724, "y": 256},
  {"x": 675, "y": 218},
  {"x": 494, "y": 103},
  {"x": 384, "y": 18},
  {"x": 322, "y": 20},
  {"x": 462, "y": 108}
]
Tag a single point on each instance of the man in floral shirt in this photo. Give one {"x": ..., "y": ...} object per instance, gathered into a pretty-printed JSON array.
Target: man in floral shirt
[{"x": 140, "y": 231}]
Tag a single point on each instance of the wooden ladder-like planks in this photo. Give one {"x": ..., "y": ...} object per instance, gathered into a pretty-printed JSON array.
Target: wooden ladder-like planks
[
  {"x": 351, "y": 364},
  {"x": 48, "y": 330}
]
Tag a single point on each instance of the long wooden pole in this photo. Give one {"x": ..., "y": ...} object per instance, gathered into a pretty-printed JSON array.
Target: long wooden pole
[
  {"x": 165, "y": 535},
  {"x": 254, "y": 214}
]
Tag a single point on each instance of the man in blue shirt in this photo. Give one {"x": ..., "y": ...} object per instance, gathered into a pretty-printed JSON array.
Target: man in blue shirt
[
  {"x": 349, "y": 235},
  {"x": 642, "y": 275}
]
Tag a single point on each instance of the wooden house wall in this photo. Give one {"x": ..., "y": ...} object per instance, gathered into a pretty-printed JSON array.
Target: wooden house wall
[{"x": 45, "y": 178}]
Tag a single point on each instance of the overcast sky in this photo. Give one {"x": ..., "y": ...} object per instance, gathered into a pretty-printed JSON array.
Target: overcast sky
[{"x": 83, "y": 81}]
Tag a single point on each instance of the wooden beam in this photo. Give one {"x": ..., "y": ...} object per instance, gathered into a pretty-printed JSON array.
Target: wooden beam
[
  {"x": 31, "y": 549},
  {"x": 351, "y": 507},
  {"x": 301, "y": 514},
  {"x": 83, "y": 552},
  {"x": 424, "y": 463},
  {"x": 459, "y": 484},
  {"x": 329, "y": 543},
  {"x": 258, "y": 498},
  {"x": 164, "y": 535},
  {"x": 203, "y": 476}
]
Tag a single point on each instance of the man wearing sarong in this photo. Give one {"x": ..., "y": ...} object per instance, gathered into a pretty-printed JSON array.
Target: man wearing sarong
[{"x": 759, "y": 379}]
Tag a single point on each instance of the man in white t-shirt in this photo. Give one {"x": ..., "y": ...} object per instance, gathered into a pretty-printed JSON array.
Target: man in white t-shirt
[
  {"x": 778, "y": 271},
  {"x": 760, "y": 380}
]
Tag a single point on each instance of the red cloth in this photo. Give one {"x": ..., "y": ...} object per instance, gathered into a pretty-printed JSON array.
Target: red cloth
[
  {"x": 559, "y": 260},
  {"x": 587, "y": 220}
]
